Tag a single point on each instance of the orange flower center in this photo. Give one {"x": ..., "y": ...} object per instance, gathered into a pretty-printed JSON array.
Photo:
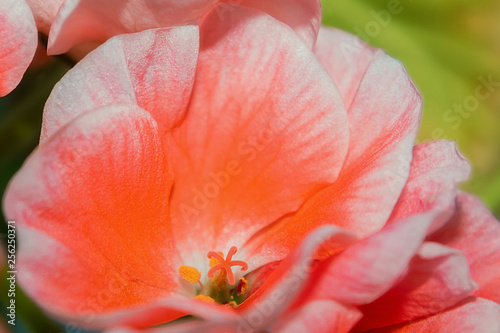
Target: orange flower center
[
  {"x": 226, "y": 264},
  {"x": 220, "y": 288}
]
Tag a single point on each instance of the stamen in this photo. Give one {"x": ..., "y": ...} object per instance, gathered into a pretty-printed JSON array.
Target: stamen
[
  {"x": 226, "y": 264},
  {"x": 204, "y": 298},
  {"x": 191, "y": 274},
  {"x": 242, "y": 286}
]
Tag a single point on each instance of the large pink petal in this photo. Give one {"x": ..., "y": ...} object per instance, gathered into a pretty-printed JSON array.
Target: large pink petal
[
  {"x": 435, "y": 170},
  {"x": 18, "y": 38},
  {"x": 44, "y": 12},
  {"x": 162, "y": 311},
  {"x": 438, "y": 278},
  {"x": 193, "y": 326},
  {"x": 153, "y": 69},
  {"x": 319, "y": 316},
  {"x": 472, "y": 315},
  {"x": 383, "y": 121},
  {"x": 247, "y": 152},
  {"x": 82, "y": 21},
  {"x": 189, "y": 327},
  {"x": 91, "y": 208},
  {"x": 476, "y": 232},
  {"x": 368, "y": 269}
]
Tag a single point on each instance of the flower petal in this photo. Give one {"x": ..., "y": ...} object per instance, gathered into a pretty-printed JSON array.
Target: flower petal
[
  {"x": 368, "y": 269},
  {"x": 304, "y": 16},
  {"x": 82, "y": 21},
  {"x": 319, "y": 316},
  {"x": 91, "y": 206},
  {"x": 163, "y": 311},
  {"x": 346, "y": 58},
  {"x": 383, "y": 120},
  {"x": 195, "y": 326},
  {"x": 246, "y": 151},
  {"x": 18, "y": 38},
  {"x": 476, "y": 233},
  {"x": 438, "y": 278},
  {"x": 44, "y": 12},
  {"x": 435, "y": 170},
  {"x": 153, "y": 69},
  {"x": 473, "y": 315}
]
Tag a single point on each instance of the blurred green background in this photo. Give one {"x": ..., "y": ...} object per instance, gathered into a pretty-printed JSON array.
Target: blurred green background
[{"x": 449, "y": 47}]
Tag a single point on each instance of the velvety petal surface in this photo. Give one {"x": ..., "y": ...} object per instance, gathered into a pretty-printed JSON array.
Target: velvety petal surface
[
  {"x": 162, "y": 311},
  {"x": 319, "y": 316},
  {"x": 346, "y": 58},
  {"x": 476, "y": 232},
  {"x": 18, "y": 38},
  {"x": 436, "y": 169},
  {"x": 383, "y": 121},
  {"x": 44, "y": 12},
  {"x": 365, "y": 271},
  {"x": 91, "y": 208},
  {"x": 212, "y": 326},
  {"x": 246, "y": 153},
  {"x": 437, "y": 279},
  {"x": 81, "y": 21},
  {"x": 473, "y": 315},
  {"x": 304, "y": 16},
  {"x": 153, "y": 69}
]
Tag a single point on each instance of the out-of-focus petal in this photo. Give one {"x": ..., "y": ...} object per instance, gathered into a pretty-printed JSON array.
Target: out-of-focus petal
[
  {"x": 304, "y": 16},
  {"x": 153, "y": 69},
  {"x": 164, "y": 310},
  {"x": 246, "y": 151},
  {"x": 437, "y": 279},
  {"x": 18, "y": 40},
  {"x": 476, "y": 232},
  {"x": 473, "y": 315},
  {"x": 82, "y": 21},
  {"x": 95, "y": 198},
  {"x": 322, "y": 316},
  {"x": 44, "y": 12},
  {"x": 383, "y": 121}
]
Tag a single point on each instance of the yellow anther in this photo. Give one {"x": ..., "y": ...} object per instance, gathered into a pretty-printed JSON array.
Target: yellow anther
[
  {"x": 204, "y": 298},
  {"x": 231, "y": 305},
  {"x": 242, "y": 286},
  {"x": 190, "y": 274}
]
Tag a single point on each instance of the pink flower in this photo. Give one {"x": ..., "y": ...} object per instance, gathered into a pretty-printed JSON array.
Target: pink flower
[
  {"x": 160, "y": 149},
  {"x": 18, "y": 43}
]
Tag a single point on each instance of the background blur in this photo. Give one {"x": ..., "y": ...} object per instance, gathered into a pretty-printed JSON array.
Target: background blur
[{"x": 451, "y": 48}]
